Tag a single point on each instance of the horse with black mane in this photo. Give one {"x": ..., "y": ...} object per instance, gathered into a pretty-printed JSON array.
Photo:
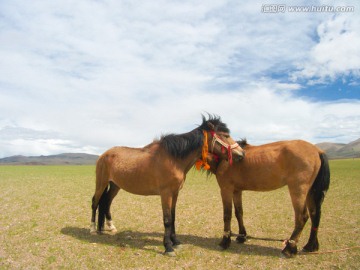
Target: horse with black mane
[
  {"x": 301, "y": 166},
  {"x": 159, "y": 168}
]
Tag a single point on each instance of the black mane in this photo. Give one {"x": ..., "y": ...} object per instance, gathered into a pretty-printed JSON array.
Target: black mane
[
  {"x": 243, "y": 143},
  {"x": 216, "y": 122},
  {"x": 181, "y": 145}
]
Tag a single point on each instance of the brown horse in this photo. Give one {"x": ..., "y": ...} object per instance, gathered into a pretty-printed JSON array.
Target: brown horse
[
  {"x": 298, "y": 164},
  {"x": 157, "y": 169}
]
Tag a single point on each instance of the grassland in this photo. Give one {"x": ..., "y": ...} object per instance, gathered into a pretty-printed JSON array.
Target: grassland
[{"x": 45, "y": 213}]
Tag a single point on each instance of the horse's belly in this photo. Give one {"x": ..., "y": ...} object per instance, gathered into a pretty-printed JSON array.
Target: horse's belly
[
  {"x": 138, "y": 186},
  {"x": 261, "y": 182},
  {"x": 261, "y": 186}
]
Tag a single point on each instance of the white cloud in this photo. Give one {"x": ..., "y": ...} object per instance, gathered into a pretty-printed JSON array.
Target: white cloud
[
  {"x": 337, "y": 53},
  {"x": 34, "y": 142},
  {"x": 86, "y": 75}
]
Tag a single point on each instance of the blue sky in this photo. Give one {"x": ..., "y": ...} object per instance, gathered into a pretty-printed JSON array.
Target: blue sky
[{"x": 84, "y": 76}]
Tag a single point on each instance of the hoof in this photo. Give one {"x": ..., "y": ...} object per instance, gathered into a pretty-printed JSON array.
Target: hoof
[
  {"x": 175, "y": 242},
  {"x": 311, "y": 247},
  {"x": 287, "y": 255},
  {"x": 93, "y": 230},
  {"x": 290, "y": 249},
  {"x": 110, "y": 227},
  {"x": 178, "y": 246},
  {"x": 170, "y": 254},
  {"x": 308, "y": 250},
  {"x": 113, "y": 231},
  {"x": 241, "y": 239},
  {"x": 225, "y": 242}
]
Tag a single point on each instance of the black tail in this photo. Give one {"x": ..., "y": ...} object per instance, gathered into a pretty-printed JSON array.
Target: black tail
[
  {"x": 322, "y": 181},
  {"x": 314, "y": 200},
  {"x": 103, "y": 208}
]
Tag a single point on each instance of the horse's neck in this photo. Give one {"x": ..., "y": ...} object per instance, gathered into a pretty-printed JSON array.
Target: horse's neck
[
  {"x": 190, "y": 160},
  {"x": 195, "y": 157},
  {"x": 152, "y": 147}
]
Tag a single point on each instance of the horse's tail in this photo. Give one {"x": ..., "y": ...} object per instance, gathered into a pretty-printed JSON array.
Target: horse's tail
[
  {"x": 314, "y": 200},
  {"x": 322, "y": 181},
  {"x": 102, "y": 179}
]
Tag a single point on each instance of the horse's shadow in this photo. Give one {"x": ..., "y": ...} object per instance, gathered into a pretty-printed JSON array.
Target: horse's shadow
[{"x": 153, "y": 241}]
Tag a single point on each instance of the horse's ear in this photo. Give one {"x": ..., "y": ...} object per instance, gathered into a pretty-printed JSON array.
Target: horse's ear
[{"x": 211, "y": 125}]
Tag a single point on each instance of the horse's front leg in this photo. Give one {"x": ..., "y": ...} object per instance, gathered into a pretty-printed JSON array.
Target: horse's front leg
[
  {"x": 227, "y": 197},
  {"x": 166, "y": 202},
  {"x": 176, "y": 243},
  {"x": 241, "y": 238}
]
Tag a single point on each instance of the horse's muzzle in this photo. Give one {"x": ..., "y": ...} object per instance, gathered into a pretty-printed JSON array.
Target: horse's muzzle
[{"x": 239, "y": 155}]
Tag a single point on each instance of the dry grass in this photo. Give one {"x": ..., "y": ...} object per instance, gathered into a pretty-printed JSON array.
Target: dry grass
[{"x": 46, "y": 212}]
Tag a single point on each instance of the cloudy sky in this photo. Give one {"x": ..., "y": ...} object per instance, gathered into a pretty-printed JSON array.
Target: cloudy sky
[{"x": 85, "y": 75}]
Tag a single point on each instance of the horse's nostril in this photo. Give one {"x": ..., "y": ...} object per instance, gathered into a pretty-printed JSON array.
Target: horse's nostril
[
  {"x": 241, "y": 156},
  {"x": 238, "y": 157}
]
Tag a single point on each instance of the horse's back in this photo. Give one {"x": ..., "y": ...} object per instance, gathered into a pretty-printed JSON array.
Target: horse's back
[
  {"x": 274, "y": 165},
  {"x": 301, "y": 146},
  {"x": 124, "y": 157},
  {"x": 298, "y": 149}
]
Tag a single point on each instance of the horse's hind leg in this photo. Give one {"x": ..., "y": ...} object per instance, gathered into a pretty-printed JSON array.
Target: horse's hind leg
[
  {"x": 314, "y": 200},
  {"x": 298, "y": 198},
  {"x": 315, "y": 213},
  {"x": 241, "y": 238},
  {"x": 113, "y": 191},
  {"x": 94, "y": 206}
]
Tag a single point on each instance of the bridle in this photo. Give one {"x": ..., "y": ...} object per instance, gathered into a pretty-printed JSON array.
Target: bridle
[
  {"x": 224, "y": 145},
  {"x": 202, "y": 163}
]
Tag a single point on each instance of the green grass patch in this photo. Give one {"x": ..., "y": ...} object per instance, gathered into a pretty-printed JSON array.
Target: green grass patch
[{"x": 46, "y": 214}]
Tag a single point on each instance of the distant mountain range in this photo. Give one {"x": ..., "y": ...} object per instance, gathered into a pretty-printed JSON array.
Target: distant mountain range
[
  {"x": 61, "y": 159},
  {"x": 333, "y": 150},
  {"x": 341, "y": 150}
]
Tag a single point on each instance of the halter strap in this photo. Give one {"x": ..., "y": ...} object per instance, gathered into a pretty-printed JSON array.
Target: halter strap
[
  {"x": 229, "y": 147},
  {"x": 217, "y": 139},
  {"x": 202, "y": 163}
]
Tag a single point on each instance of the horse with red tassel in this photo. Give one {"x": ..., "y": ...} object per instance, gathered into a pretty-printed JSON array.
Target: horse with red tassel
[{"x": 159, "y": 168}]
